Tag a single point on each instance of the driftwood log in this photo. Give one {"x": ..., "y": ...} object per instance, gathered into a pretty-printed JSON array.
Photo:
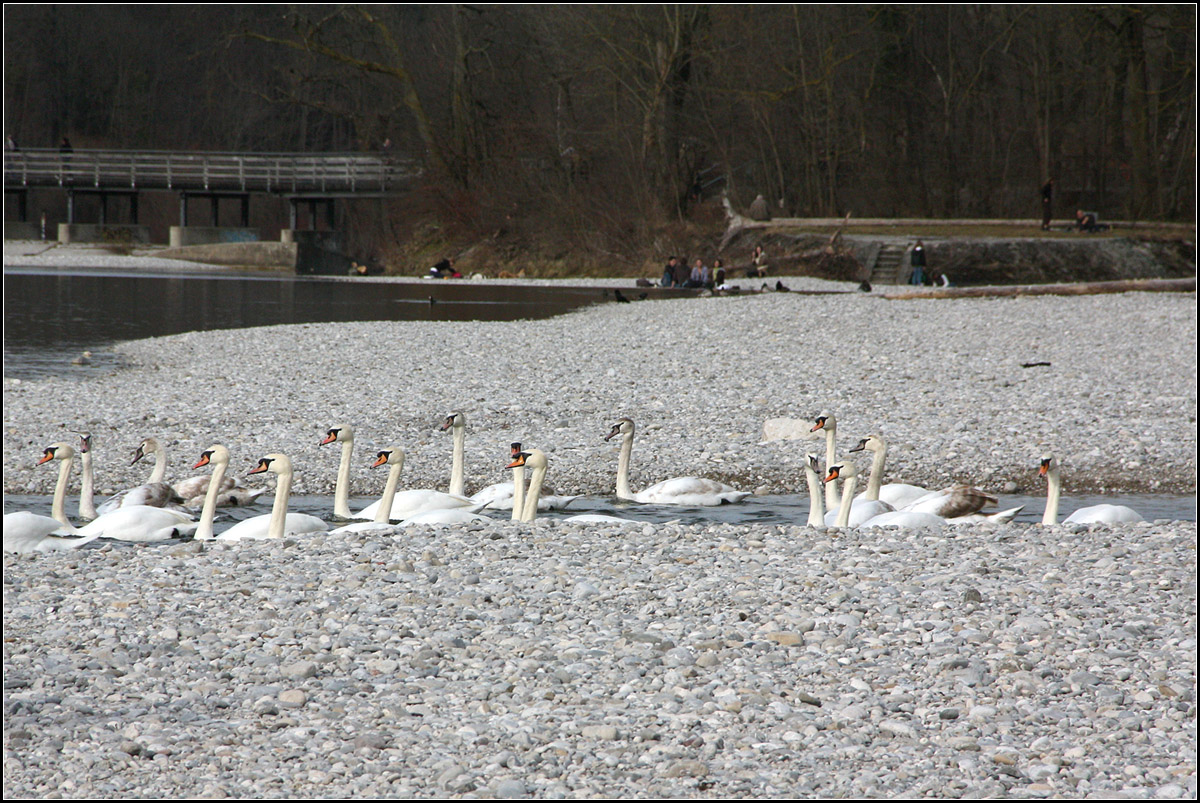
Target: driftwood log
[{"x": 1077, "y": 289}]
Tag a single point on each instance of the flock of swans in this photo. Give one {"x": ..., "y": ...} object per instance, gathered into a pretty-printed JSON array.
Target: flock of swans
[{"x": 157, "y": 511}]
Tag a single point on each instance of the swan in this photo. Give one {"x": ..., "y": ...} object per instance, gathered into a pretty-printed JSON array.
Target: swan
[
  {"x": 393, "y": 456},
  {"x": 896, "y": 494},
  {"x": 511, "y": 495},
  {"x": 497, "y": 496},
  {"x": 848, "y": 474},
  {"x": 537, "y": 462},
  {"x": 194, "y": 490},
  {"x": 87, "y": 487},
  {"x": 828, "y": 424},
  {"x": 155, "y": 492},
  {"x": 142, "y": 523},
  {"x": 404, "y": 503},
  {"x": 278, "y": 522},
  {"x": 1096, "y": 514},
  {"x": 957, "y": 504},
  {"x": 26, "y": 532},
  {"x": 816, "y": 506},
  {"x": 677, "y": 491}
]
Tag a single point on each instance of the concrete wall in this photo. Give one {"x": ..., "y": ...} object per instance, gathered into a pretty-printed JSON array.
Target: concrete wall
[
  {"x": 207, "y": 235},
  {"x": 114, "y": 233},
  {"x": 16, "y": 230}
]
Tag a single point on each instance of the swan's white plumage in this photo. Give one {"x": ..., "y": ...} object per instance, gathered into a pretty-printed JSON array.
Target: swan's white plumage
[
  {"x": 25, "y": 533},
  {"x": 684, "y": 491},
  {"x": 1094, "y": 514},
  {"x": 404, "y": 503},
  {"x": 536, "y": 461},
  {"x": 279, "y": 522}
]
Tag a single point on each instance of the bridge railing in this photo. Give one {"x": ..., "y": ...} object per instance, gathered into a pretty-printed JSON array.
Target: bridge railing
[{"x": 210, "y": 171}]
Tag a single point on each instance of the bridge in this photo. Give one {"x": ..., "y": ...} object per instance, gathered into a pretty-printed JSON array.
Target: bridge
[{"x": 298, "y": 177}]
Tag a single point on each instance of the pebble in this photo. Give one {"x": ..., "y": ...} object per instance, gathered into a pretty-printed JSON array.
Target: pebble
[{"x": 510, "y": 660}]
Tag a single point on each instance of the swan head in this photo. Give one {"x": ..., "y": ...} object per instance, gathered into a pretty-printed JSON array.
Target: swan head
[
  {"x": 826, "y": 422},
  {"x": 213, "y": 454},
  {"x": 622, "y": 427},
  {"x": 275, "y": 463},
  {"x": 85, "y": 442},
  {"x": 57, "y": 451},
  {"x": 1047, "y": 466},
  {"x": 871, "y": 443},
  {"x": 844, "y": 471},
  {"x": 453, "y": 420},
  {"x": 341, "y": 432},
  {"x": 534, "y": 458},
  {"x": 146, "y": 447},
  {"x": 389, "y": 455},
  {"x": 814, "y": 465},
  {"x": 515, "y": 448}
]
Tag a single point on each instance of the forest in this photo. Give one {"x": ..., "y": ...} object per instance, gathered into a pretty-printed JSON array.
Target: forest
[{"x": 594, "y": 129}]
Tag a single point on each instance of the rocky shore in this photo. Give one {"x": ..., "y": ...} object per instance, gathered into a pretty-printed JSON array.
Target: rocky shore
[{"x": 558, "y": 660}]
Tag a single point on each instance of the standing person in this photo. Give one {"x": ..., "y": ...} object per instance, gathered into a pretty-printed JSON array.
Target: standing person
[
  {"x": 1047, "y": 203},
  {"x": 10, "y": 144},
  {"x": 918, "y": 264},
  {"x": 668, "y": 277}
]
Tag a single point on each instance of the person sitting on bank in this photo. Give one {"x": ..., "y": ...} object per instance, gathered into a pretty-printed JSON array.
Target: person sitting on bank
[
  {"x": 444, "y": 270},
  {"x": 1086, "y": 221},
  {"x": 699, "y": 275}
]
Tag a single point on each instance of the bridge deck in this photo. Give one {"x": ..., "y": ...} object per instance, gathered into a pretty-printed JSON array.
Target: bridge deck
[{"x": 331, "y": 174}]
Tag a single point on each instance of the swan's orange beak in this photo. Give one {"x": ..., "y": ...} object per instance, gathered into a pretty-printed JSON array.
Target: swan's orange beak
[
  {"x": 203, "y": 461},
  {"x": 381, "y": 459},
  {"x": 262, "y": 466},
  {"x": 47, "y": 456},
  {"x": 516, "y": 449},
  {"x": 820, "y": 423},
  {"x": 1044, "y": 468},
  {"x": 833, "y": 473},
  {"x": 519, "y": 460},
  {"x": 330, "y": 437}
]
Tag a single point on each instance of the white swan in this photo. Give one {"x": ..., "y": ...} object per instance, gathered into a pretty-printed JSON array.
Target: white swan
[
  {"x": 511, "y": 495},
  {"x": 87, "y": 487},
  {"x": 393, "y": 456},
  {"x": 278, "y": 522},
  {"x": 1095, "y": 514},
  {"x": 816, "y": 506},
  {"x": 141, "y": 523},
  {"x": 404, "y": 503},
  {"x": 678, "y": 491},
  {"x": 848, "y": 474},
  {"x": 499, "y": 495},
  {"x": 828, "y": 424},
  {"x": 26, "y": 532},
  {"x": 537, "y": 462},
  {"x": 896, "y": 494}
]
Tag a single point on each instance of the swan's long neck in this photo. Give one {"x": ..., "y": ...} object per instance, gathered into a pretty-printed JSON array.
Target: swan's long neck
[
  {"x": 457, "y": 483},
  {"x": 816, "y": 507},
  {"x": 204, "y": 532},
  {"x": 279, "y": 510},
  {"x": 341, "y": 492},
  {"x": 1053, "y": 490},
  {"x": 876, "y": 481},
  {"x": 58, "y": 509},
  {"x": 518, "y": 493},
  {"x": 389, "y": 493},
  {"x": 831, "y": 491},
  {"x": 843, "y": 516},
  {"x": 623, "y": 491},
  {"x": 535, "y": 490},
  {"x": 159, "y": 472},
  {"x": 87, "y": 488}
]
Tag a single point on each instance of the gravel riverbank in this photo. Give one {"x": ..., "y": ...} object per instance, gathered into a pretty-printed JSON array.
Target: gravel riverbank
[{"x": 563, "y": 661}]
